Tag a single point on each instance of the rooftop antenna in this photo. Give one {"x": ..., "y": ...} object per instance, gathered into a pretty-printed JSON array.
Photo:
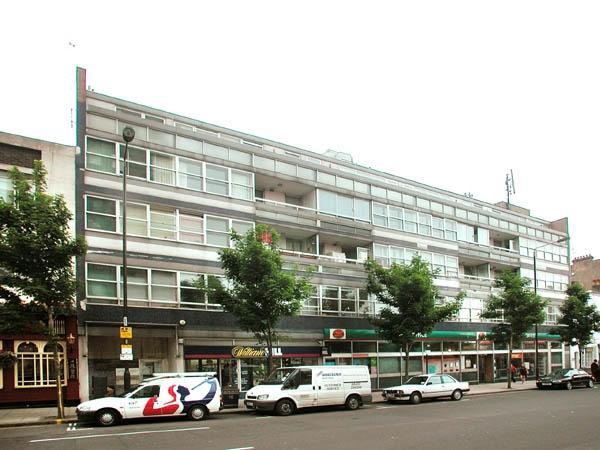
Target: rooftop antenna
[{"x": 510, "y": 185}]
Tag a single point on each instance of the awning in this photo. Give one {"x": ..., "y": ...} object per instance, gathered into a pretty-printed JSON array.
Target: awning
[{"x": 349, "y": 333}]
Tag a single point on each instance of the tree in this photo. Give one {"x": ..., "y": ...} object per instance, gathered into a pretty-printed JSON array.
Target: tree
[
  {"x": 260, "y": 292},
  {"x": 579, "y": 318},
  {"x": 36, "y": 258},
  {"x": 518, "y": 307},
  {"x": 413, "y": 306}
]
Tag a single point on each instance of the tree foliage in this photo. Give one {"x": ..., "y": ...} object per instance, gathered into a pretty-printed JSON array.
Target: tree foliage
[
  {"x": 413, "y": 306},
  {"x": 579, "y": 318},
  {"x": 36, "y": 256},
  {"x": 259, "y": 291},
  {"x": 517, "y": 306}
]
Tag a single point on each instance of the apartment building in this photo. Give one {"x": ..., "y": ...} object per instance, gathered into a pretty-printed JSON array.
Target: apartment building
[
  {"x": 191, "y": 182},
  {"x": 32, "y": 380}
]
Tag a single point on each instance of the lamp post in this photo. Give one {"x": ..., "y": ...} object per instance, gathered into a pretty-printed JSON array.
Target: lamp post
[
  {"x": 537, "y": 367},
  {"x": 128, "y": 135},
  {"x": 573, "y": 344}
]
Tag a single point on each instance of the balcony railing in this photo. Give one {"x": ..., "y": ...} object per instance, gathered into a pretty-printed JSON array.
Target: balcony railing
[
  {"x": 324, "y": 263},
  {"x": 289, "y": 206}
]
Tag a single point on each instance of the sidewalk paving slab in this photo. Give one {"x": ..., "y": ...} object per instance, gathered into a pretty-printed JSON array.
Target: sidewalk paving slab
[{"x": 43, "y": 416}]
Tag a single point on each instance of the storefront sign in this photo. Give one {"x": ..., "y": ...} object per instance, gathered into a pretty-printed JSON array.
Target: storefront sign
[
  {"x": 337, "y": 333},
  {"x": 72, "y": 369},
  {"x": 253, "y": 352}
]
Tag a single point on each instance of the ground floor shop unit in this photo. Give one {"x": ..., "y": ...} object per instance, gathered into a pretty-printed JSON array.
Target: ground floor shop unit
[{"x": 466, "y": 355}]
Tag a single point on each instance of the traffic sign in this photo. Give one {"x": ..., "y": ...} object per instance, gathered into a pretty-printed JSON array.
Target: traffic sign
[
  {"x": 126, "y": 332},
  {"x": 126, "y": 352}
]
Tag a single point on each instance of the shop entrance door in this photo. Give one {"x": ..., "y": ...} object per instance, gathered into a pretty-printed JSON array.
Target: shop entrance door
[{"x": 486, "y": 368}]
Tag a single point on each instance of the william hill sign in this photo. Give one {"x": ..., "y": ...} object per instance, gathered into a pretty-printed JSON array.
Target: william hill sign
[{"x": 253, "y": 352}]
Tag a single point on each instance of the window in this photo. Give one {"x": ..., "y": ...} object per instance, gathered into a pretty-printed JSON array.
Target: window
[
  {"x": 191, "y": 228},
  {"x": 147, "y": 392},
  {"x": 100, "y": 155},
  {"x": 162, "y": 138},
  {"x": 378, "y": 192},
  {"x": 164, "y": 286},
  {"x": 362, "y": 209},
  {"x": 450, "y": 229},
  {"x": 190, "y": 174},
  {"x": 422, "y": 203},
  {"x": 101, "y": 214},
  {"x": 425, "y": 224},
  {"x": 137, "y": 283},
  {"x": 217, "y": 231},
  {"x": 215, "y": 150},
  {"x": 396, "y": 217},
  {"x": 344, "y": 206},
  {"x": 162, "y": 223},
  {"x": 326, "y": 178},
  {"x": 344, "y": 183},
  {"x": 189, "y": 294},
  {"x": 380, "y": 215},
  {"x": 410, "y": 221},
  {"x": 381, "y": 253},
  {"x": 437, "y": 227},
  {"x": 307, "y": 174},
  {"x": 6, "y": 186},
  {"x": 191, "y": 145},
  {"x": 242, "y": 185},
  {"x": 240, "y": 157},
  {"x": 306, "y": 376},
  {"x": 162, "y": 168},
  {"x": 136, "y": 161},
  {"x": 137, "y": 219},
  {"x": 330, "y": 302},
  {"x": 35, "y": 364},
  {"x": 101, "y": 281},
  {"x": 217, "y": 178}
]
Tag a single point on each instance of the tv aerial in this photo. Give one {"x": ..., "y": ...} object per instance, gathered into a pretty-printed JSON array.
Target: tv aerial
[{"x": 509, "y": 182}]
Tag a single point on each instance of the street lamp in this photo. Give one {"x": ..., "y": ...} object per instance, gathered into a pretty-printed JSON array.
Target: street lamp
[
  {"x": 564, "y": 239},
  {"x": 128, "y": 135}
]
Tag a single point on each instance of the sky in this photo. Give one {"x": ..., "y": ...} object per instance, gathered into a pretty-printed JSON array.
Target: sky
[{"x": 451, "y": 94}]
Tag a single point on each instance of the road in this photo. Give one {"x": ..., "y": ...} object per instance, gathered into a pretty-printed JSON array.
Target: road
[{"x": 521, "y": 420}]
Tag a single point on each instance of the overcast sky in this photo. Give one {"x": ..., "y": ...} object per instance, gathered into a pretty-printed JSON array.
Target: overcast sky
[{"x": 449, "y": 93}]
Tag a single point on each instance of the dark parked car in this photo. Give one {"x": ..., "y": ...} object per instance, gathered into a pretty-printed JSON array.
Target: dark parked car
[{"x": 566, "y": 378}]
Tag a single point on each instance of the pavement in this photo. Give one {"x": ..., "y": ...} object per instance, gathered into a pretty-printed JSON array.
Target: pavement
[{"x": 16, "y": 417}]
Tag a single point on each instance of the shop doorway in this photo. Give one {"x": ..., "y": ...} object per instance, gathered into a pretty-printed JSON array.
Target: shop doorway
[{"x": 486, "y": 368}]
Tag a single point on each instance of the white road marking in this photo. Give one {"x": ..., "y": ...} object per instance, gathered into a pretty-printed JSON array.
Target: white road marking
[
  {"x": 240, "y": 448},
  {"x": 263, "y": 417},
  {"x": 118, "y": 434},
  {"x": 384, "y": 407}
]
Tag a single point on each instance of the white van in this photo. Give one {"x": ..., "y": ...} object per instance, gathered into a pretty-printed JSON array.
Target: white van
[
  {"x": 291, "y": 388},
  {"x": 165, "y": 394}
]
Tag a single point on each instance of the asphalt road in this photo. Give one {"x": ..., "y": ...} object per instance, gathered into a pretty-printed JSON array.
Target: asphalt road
[{"x": 521, "y": 420}]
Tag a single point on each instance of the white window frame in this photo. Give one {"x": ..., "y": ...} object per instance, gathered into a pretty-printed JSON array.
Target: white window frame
[{"x": 41, "y": 364}]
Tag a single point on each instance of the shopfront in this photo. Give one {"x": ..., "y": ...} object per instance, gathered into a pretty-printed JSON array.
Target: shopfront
[
  {"x": 245, "y": 366},
  {"x": 466, "y": 355}
]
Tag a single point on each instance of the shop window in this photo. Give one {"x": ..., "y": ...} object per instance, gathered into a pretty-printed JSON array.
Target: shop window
[
  {"x": 389, "y": 365},
  {"x": 451, "y": 346},
  {"x": 338, "y": 347},
  {"x": 388, "y": 347},
  {"x": 35, "y": 365},
  {"x": 364, "y": 347}
]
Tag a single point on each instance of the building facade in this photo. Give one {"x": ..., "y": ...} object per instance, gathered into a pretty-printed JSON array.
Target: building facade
[
  {"x": 191, "y": 182},
  {"x": 32, "y": 380},
  {"x": 586, "y": 271}
]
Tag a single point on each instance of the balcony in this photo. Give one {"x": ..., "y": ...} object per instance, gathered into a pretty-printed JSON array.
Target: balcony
[{"x": 501, "y": 258}]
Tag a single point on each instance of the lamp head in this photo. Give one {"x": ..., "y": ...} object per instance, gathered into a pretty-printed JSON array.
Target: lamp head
[{"x": 128, "y": 134}]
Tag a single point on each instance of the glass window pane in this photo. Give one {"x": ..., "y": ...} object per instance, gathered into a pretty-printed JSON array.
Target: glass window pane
[
  {"x": 217, "y": 224},
  {"x": 307, "y": 174},
  {"x": 378, "y": 192},
  {"x": 99, "y": 147},
  {"x": 241, "y": 227},
  {"x": 327, "y": 202},
  {"x": 217, "y": 172},
  {"x": 217, "y": 187},
  {"x": 162, "y": 138},
  {"x": 361, "y": 187},
  {"x": 101, "y": 205},
  {"x": 219, "y": 239},
  {"x": 240, "y": 157},
  {"x": 264, "y": 163},
  {"x": 362, "y": 209},
  {"x": 102, "y": 272},
  {"x": 344, "y": 183},
  {"x": 191, "y": 145},
  {"x": 345, "y": 206},
  {"x": 327, "y": 178},
  {"x": 243, "y": 178},
  {"x": 215, "y": 150},
  {"x": 285, "y": 168}
]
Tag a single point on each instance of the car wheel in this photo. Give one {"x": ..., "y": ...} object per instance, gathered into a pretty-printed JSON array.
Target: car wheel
[
  {"x": 284, "y": 408},
  {"x": 569, "y": 385},
  {"x": 197, "y": 412},
  {"x": 353, "y": 402},
  {"x": 415, "y": 398},
  {"x": 590, "y": 383},
  {"x": 457, "y": 394},
  {"x": 107, "y": 417}
]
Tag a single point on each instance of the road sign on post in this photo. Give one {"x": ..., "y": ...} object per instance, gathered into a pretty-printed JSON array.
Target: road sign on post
[
  {"x": 126, "y": 352},
  {"x": 126, "y": 332}
]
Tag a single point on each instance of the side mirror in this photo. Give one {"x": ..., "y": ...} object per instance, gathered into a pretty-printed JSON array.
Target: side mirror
[{"x": 429, "y": 383}]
